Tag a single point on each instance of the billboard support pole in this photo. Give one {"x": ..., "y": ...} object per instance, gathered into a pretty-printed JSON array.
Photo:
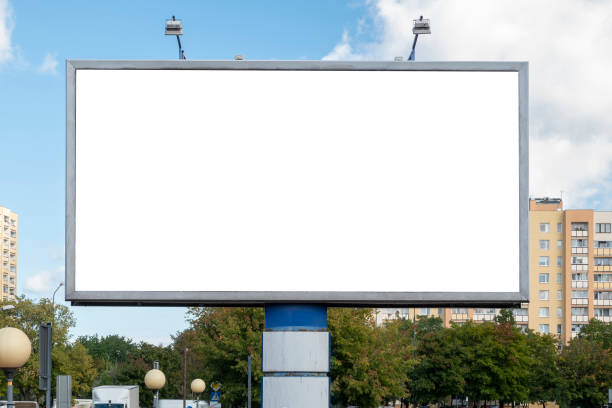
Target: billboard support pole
[{"x": 297, "y": 385}]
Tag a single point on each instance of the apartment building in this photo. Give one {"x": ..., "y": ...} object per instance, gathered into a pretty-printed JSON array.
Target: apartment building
[
  {"x": 570, "y": 268},
  {"x": 8, "y": 249}
]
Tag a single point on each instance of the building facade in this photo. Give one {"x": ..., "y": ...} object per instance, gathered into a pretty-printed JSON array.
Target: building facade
[
  {"x": 8, "y": 249},
  {"x": 570, "y": 268}
]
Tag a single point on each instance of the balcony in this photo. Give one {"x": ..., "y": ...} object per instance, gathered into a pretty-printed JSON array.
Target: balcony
[
  {"x": 483, "y": 317},
  {"x": 580, "y": 301},
  {"x": 520, "y": 319},
  {"x": 459, "y": 316},
  {"x": 580, "y": 250},
  {"x": 602, "y": 251},
  {"x": 602, "y": 285},
  {"x": 580, "y": 233},
  {"x": 580, "y": 284},
  {"x": 604, "y": 318},
  {"x": 580, "y": 268},
  {"x": 603, "y": 268},
  {"x": 602, "y": 302},
  {"x": 580, "y": 319}
]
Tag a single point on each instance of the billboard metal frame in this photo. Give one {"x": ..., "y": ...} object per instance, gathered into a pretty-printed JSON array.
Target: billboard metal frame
[{"x": 242, "y": 298}]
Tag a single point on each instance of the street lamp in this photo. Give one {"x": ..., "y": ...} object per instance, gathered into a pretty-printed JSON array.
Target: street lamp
[
  {"x": 197, "y": 387},
  {"x": 154, "y": 380},
  {"x": 175, "y": 27},
  {"x": 420, "y": 26},
  {"x": 15, "y": 349}
]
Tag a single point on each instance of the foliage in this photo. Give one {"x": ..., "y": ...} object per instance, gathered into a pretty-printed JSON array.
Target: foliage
[
  {"x": 598, "y": 331},
  {"x": 586, "y": 367},
  {"x": 224, "y": 338},
  {"x": 28, "y": 315},
  {"x": 438, "y": 370},
  {"x": 368, "y": 364},
  {"x": 496, "y": 361},
  {"x": 545, "y": 381}
]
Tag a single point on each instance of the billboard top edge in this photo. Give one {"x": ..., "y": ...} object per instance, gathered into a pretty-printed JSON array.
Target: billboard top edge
[{"x": 511, "y": 66}]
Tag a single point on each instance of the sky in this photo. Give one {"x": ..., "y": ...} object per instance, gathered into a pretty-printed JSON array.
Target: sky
[{"x": 567, "y": 44}]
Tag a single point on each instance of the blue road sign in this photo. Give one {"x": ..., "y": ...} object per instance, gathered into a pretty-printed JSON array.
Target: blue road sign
[{"x": 215, "y": 396}]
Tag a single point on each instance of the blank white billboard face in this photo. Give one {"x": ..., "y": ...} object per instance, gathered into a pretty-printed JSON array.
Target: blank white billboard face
[{"x": 296, "y": 180}]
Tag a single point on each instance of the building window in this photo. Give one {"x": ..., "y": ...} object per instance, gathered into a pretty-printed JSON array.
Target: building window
[
  {"x": 459, "y": 310},
  {"x": 543, "y": 295},
  {"x": 602, "y": 312},
  {"x": 544, "y": 261},
  {"x": 559, "y": 278},
  {"x": 602, "y": 277},
  {"x": 559, "y": 312},
  {"x": 603, "y": 261},
  {"x": 580, "y": 294},
  {"x": 580, "y": 276},
  {"x": 423, "y": 311},
  {"x": 602, "y": 295},
  {"x": 580, "y": 311},
  {"x": 544, "y": 244},
  {"x": 559, "y": 261},
  {"x": 602, "y": 244},
  {"x": 603, "y": 228},
  {"x": 520, "y": 312},
  {"x": 543, "y": 278},
  {"x": 580, "y": 260},
  {"x": 576, "y": 328},
  {"x": 559, "y": 244},
  {"x": 543, "y": 328},
  {"x": 543, "y": 312},
  {"x": 559, "y": 295},
  {"x": 559, "y": 227},
  {"x": 544, "y": 227},
  {"x": 580, "y": 226},
  {"x": 580, "y": 243},
  {"x": 558, "y": 329}
]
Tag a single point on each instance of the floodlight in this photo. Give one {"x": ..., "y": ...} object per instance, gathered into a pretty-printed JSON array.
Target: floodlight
[
  {"x": 174, "y": 27},
  {"x": 239, "y": 57},
  {"x": 421, "y": 26}
]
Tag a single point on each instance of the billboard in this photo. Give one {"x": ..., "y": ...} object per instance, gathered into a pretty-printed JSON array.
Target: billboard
[{"x": 251, "y": 182}]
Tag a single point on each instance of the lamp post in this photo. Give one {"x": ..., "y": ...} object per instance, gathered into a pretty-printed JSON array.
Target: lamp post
[
  {"x": 15, "y": 349},
  {"x": 197, "y": 387},
  {"x": 154, "y": 380}
]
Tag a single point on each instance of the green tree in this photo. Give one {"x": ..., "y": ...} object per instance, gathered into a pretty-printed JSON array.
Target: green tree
[
  {"x": 224, "y": 338},
  {"x": 586, "y": 367},
  {"x": 497, "y": 362},
  {"x": 368, "y": 364},
  {"x": 545, "y": 380},
  {"x": 28, "y": 315},
  {"x": 438, "y": 371},
  {"x": 598, "y": 331}
]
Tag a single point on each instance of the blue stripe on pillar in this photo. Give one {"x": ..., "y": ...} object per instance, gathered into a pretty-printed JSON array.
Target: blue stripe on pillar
[{"x": 289, "y": 317}]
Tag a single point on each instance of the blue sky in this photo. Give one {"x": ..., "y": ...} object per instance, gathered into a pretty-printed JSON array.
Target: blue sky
[
  {"x": 571, "y": 125},
  {"x": 32, "y": 106}
]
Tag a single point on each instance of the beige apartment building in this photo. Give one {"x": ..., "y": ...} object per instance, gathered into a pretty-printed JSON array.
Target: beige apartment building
[
  {"x": 8, "y": 249},
  {"x": 570, "y": 269}
]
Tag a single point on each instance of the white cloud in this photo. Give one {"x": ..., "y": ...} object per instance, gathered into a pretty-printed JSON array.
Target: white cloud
[
  {"x": 49, "y": 65},
  {"x": 45, "y": 281},
  {"x": 6, "y": 30},
  {"x": 570, "y": 85}
]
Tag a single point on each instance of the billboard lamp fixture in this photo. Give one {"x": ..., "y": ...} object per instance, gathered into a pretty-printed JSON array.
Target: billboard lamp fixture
[
  {"x": 420, "y": 26},
  {"x": 175, "y": 27}
]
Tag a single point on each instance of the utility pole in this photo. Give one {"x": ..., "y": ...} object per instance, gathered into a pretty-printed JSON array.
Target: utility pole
[
  {"x": 249, "y": 391},
  {"x": 185, "y": 378}
]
